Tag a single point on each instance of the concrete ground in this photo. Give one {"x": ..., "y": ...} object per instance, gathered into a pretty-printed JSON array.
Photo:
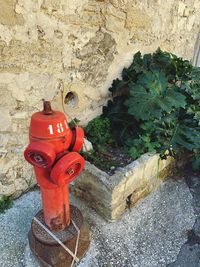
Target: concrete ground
[{"x": 162, "y": 230}]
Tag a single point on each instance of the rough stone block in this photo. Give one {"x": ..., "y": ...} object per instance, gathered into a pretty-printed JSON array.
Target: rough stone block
[
  {"x": 8, "y": 16},
  {"x": 111, "y": 195}
]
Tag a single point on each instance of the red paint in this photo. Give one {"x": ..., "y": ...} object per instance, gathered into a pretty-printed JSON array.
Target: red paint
[
  {"x": 53, "y": 153},
  {"x": 78, "y": 140}
]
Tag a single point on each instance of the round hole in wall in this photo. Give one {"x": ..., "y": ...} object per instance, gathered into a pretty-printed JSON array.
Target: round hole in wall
[{"x": 71, "y": 99}]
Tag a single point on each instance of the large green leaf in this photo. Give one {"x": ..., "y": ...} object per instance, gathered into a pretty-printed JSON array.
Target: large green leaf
[
  {"x": 151, "y": 96},
  {"x": 186, "y": 137}
]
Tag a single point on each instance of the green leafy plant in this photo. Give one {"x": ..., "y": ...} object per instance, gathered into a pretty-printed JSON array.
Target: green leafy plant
[
  {"x": 136, "y": 147},
  {"x": 98, "y": 131},
  {"x": 151, "y": 96},
  {"x": 156, "y": 106},
  {"x": 5, "y": 203}
]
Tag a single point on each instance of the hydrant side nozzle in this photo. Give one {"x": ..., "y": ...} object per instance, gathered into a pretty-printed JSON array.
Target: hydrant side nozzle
[
  {"x": 67, "y": 168},
  {"x": 40, "y": 154}
]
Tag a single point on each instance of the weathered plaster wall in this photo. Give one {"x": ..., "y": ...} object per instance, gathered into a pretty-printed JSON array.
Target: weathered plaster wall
[{"x": 53, "y": 46}]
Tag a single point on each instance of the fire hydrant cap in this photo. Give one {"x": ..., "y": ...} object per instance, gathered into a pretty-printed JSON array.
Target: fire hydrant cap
[
  {"x": 40, "y": 154},
  {"x": 49, "y": 126},
  {"x": 67, "y": 168}
]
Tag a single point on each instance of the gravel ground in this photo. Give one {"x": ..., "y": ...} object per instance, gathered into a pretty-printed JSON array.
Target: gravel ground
[
  {"x": 150, "y": 235},
  {"x": 189, "y": 255},
  {"x": 14, "y": 226}
]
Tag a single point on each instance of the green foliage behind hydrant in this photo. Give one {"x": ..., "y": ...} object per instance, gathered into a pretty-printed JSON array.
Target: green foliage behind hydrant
[{"x": 155, "y": 107}]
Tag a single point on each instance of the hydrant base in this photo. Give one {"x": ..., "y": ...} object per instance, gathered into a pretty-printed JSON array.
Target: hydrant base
[{"x": 46, "y": 249}]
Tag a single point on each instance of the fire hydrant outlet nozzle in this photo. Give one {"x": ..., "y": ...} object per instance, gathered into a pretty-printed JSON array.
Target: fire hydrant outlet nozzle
[
  {"x": 40, "y": 154},
  {"x": 67, "y": 169}
]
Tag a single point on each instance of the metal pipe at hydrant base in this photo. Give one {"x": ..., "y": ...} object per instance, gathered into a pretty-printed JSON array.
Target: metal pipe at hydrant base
[
  {"x": 56, "y": 207},
  {"x": 55, "y": 201}
]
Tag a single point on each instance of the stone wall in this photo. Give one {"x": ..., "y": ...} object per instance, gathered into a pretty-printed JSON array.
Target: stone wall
[{"x": 51, "y": 47}]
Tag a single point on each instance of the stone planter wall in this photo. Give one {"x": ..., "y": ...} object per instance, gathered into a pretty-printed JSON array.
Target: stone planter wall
[{"x": 110, "y": 196}]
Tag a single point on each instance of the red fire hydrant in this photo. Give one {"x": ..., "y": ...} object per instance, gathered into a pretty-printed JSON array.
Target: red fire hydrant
[{"x": 53, "y": 151}]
